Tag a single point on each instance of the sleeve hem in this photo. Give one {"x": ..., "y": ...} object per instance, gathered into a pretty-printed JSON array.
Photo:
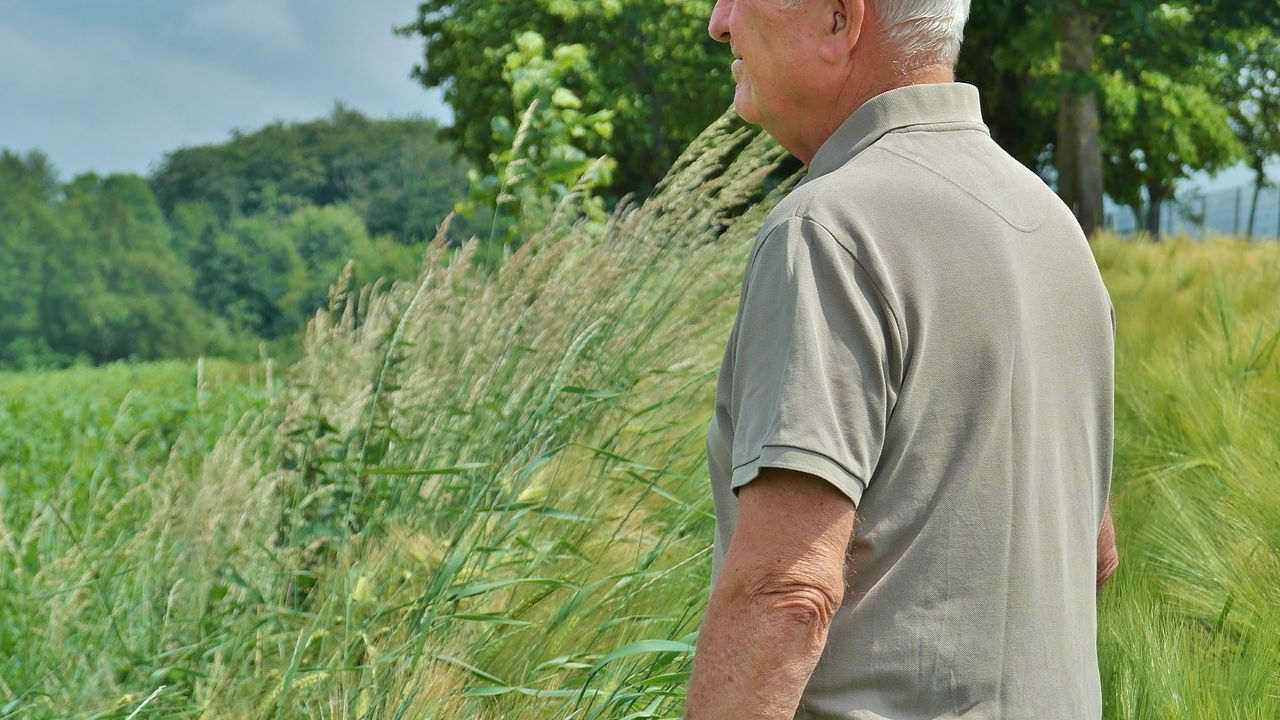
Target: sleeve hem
[{"x": 800, "y": 460}]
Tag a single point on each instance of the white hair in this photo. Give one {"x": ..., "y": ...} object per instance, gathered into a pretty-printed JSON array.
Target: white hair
[{"x": 926, "y": 32}]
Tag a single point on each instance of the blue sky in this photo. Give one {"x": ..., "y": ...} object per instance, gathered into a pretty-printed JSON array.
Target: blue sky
[{"x": 111, "y": 85}]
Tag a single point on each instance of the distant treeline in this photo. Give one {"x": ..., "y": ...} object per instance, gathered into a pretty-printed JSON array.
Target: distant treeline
[{"x": 222, "y": 247}]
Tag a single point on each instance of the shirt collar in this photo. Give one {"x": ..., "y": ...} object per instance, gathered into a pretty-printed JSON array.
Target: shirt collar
[{"x": 953, "y": 104}]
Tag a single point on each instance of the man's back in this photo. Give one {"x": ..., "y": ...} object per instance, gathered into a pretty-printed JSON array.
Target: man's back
[{"x": 980, "y": 435}]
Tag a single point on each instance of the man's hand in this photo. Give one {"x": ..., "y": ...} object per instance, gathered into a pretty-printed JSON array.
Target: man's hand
[
  {"x": 781, "y": 583},
  {"x": 1108, "y": 556}
]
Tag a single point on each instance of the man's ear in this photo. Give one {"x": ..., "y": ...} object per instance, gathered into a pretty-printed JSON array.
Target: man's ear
[{"x": 844, "y": 19}]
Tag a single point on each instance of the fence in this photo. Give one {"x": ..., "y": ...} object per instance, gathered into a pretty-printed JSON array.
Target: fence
[{"x": 1222, "y": 211}]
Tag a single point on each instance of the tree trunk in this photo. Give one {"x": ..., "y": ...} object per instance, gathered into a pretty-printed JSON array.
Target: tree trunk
[
  {"x": 1156, "y": 193},
  {"x": 1259, "y": 179},
  {"x": 1079, "y": 153}
]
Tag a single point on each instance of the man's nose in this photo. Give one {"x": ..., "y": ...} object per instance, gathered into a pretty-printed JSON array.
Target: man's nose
[{"x": 718, "y": 28}]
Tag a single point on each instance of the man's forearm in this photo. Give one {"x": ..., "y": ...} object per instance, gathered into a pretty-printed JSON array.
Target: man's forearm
[
  {"x": 755, "y": 655},
  {"x": 779, "y": 587}
]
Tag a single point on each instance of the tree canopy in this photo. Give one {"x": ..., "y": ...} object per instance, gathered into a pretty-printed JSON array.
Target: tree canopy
[
  {"x": 86, "y": 269},
  {"x": 1162, "y": 38},
  {"x": 1250, "y": 72},
  {"x": 1125, "y": 97},
  {"x": 396, "y": 174},
  {"x": 225, "y": 246},
  {"x": 1114, "y": 96},
  {"x": 649, "y": 64}
]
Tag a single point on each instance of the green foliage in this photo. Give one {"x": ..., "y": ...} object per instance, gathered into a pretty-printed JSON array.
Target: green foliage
[
  {"x": 395, "y": 173},
  {"x": 252, "y": 274},
  {"x": 266, "y": 274},
  {"x": 135, "y": 299},
  {"x": 1010, "y": 54},
  {"x": 88, "y": 270},
  {"x": 1158, "y": 69},
  {"x": 1163, "y": 116},
  {"x": 28, "y": 189},
  {"x": 1160, "y": 131},
  {"x": 649, "y": 65},
  {"x": 328, "y": 238},
  {"x": 542, "y": 160},
  {"x": 1251, "y": 86},
  {"x": 100, "y": 269}
]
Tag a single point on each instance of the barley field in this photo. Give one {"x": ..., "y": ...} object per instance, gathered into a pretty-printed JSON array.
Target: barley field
[{"x": 482, "y": 495}]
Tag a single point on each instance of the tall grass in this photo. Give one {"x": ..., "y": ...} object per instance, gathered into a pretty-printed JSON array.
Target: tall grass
[
  {"x": 1192, "y": 627},
  {"x": 483, "y": 495}
]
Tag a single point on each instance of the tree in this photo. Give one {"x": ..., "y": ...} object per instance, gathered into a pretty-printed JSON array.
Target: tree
[
  {"x": 1010, "y": 53},
  {"x": 327, "y": 239},
  {"x": 396, "y": 173},
  {"x": 1081, "y": 25},
  {"x": 1159, "y": 131},
  {"x": 1079, "y": 153},
  {"x": 1250, "y": 90},
  {"x": 86, "y": 270},
  {"x": 252, "y": 275},
  {"x": 267, "y": 273},
  {"x": 132, "y": 294},
  {"x": 1162, "y": 119},
  {"x": 28, "y": 231},
  {"x": 1081, "y": 78},
  {"x": 649, "y": 63}
]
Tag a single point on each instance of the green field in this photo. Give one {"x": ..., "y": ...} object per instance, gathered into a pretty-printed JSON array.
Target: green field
[{"x": 483, "y": 495}]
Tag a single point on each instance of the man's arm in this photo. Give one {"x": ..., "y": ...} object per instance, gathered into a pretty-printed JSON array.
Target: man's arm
[
  {"x": 1108, "y": 556},
  {"x": 781, "y": 583}
]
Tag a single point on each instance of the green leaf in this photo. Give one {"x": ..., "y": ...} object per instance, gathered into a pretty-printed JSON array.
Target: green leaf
[
  {"x": 403, "y": 471},
  {"x": 480, "y": 588},
  {"x": 643, "y": 647}
]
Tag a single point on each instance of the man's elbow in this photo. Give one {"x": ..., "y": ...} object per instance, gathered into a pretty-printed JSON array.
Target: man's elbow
[
  {"x": 1108, "y": 555},
  {"x": 1107, "y": 565},
  {"x": 806, "y": 605}
]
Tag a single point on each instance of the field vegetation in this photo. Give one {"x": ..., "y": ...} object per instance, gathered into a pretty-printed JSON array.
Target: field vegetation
[{"x": 482, "y": 494}]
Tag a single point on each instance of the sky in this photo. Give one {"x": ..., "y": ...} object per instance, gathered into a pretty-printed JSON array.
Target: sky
[{"x": 112, "y": 85}]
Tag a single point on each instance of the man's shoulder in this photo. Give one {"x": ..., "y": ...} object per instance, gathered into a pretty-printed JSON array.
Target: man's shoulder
[
  {"x": 858, "y": 184},
  {"x": 908, "y": 178},
  {"x": 801, "y": 216},
  {"x": 839, "y": 205}
]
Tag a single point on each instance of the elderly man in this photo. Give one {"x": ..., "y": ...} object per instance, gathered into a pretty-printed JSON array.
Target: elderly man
[{"x": 911, "y": 449}]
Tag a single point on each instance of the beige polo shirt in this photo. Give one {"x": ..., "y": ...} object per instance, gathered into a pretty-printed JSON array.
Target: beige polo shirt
[{"x": 922, "y": 325}]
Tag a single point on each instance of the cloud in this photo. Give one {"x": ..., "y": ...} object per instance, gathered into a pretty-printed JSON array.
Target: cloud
[
  {"x": 113, "y": 103},
  {"x": 245, "y": 24},
  {"x": 362, "y": 52},
  {"x": 115, "y": 91}
]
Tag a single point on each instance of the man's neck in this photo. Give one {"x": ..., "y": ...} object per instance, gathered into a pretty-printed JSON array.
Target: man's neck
[{"x": 858, "y": 89}]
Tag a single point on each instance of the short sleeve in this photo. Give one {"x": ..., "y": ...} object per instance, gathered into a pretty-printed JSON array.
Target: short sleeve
[{"x": 810, "y": 387}]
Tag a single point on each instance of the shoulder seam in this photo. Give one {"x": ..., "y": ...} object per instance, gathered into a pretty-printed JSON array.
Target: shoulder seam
[{"x": 899, "y": 330}]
